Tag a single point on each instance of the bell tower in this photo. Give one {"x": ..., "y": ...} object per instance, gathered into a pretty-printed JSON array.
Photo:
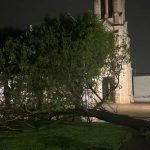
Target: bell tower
[
  {"x": 112, "y": 14},
  {"x": 112, "y": 10}
]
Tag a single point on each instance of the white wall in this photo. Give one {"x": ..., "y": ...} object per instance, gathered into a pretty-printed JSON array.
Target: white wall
[{"x": 142, "y": 88}]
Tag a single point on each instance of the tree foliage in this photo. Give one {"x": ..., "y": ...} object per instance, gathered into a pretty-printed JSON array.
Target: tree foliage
[
  {"x": 52, "y": 63},
  {"x": 46, "y": 70}
]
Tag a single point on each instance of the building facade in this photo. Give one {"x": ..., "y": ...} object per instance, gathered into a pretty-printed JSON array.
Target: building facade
[{"x": 112, "y": 14}]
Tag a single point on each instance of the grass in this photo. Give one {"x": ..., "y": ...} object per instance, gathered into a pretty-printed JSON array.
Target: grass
[
  {"x": 67, "y": 136},
  {"x": 146, "y": 134}
]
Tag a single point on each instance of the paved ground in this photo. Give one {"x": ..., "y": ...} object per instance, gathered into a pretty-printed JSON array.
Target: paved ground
[
  {"x": 138, "y": 143},
  {"x": 136, "y": 109},
  {"x": 139, "y": 110}
]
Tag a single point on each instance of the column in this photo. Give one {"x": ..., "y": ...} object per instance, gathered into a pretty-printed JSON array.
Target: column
[
  {"x": 115, "y": 5},
  {"x": 106, "y": 9},
  {"x": 123, "y": 10},
  {"x": 116, "y": 13},
  {"x": 97, "y": 10}
]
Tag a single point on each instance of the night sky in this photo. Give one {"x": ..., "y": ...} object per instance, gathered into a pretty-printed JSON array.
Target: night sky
[{"x": 21, "y": 13}]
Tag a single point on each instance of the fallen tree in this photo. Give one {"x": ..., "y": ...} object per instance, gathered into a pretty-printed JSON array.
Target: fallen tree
[
  {"x": 23, "y": 119},
  {"x": 53, "y": 66},
  {"x": 105, "y": 115}
]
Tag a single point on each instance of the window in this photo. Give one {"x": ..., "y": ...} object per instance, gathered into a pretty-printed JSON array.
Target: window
[
  {"x": 107, "y": 86},
  {"x": 103, "y": 9},
  {"x": 110, "y": 8}
]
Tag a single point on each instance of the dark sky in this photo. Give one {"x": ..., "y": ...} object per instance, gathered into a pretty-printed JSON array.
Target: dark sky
[{"x": 20, "y": 13}]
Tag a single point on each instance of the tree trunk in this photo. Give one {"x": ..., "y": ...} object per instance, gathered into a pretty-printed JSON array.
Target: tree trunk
[
  {"x": 118, "y": 119},
  {"x": 123, "y": 120},
  {"x": 7, "y": 95},
  {"x": 40, "y": 100}
]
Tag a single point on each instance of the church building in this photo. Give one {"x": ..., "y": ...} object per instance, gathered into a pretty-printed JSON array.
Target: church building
[{"x": 112, "y": 14}]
